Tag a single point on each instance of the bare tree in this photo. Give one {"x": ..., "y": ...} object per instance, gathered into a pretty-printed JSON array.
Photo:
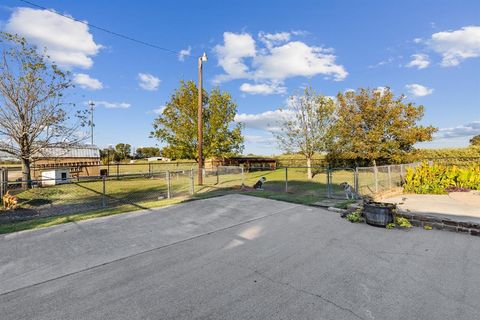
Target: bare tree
[
  {"x": 305, "y": 127},
  {"x": 33, "y": 117}
]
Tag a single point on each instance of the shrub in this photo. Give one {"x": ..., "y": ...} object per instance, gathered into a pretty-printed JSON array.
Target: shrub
[
  {"x": 403, "y": 222},
  {"x": 390, "y": 226},
  {"x": 427, "y": 227},
  {"x": 438, "y": 179},
  {"x": 354, "y": 216}
]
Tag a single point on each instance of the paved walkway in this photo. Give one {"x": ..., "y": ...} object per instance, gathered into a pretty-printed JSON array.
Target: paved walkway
[
  {"x": 463, "y": 206},
  {"x": 237, "y": 257}
]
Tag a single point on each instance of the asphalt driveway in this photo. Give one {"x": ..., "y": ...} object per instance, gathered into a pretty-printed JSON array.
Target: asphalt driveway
[{"x": 237, "y": 257}]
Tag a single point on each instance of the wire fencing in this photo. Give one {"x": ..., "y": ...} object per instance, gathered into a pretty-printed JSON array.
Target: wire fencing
[
  {"x": 379, "y": 179},
  {"x": 64, "y": 194}
]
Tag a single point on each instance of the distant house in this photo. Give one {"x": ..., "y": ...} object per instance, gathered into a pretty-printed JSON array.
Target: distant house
[{"x": 80, "y": 160}]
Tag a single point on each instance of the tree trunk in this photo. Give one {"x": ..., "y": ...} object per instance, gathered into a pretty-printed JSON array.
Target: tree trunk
[
  {"x": 26, "y": 174},
  {"x": 309, "y": 168}
]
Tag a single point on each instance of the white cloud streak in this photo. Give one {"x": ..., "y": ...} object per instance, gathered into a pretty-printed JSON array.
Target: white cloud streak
[
  {"x": 86, "y": 82},
  {"x": 112, "y": 105},
  {"x": 418, "y": 90},
  {"x": 184, "y": 53},
  {"x": 464, "y": 130},
  {"x": 268, "y": 120},
  {"x": 263, "y": 88},
  {"x": 148, "y": 81},
  {"x": 419, "y": 61}
]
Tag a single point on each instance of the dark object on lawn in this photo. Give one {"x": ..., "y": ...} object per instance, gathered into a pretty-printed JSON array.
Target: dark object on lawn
[
  {"x": 259, "y": 184},
  {"x": 378, "y": 214}
]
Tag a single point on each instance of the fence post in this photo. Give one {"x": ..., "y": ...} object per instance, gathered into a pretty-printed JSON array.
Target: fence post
[
  {"x": 243, "y": 177},
  {"x": 104, "y": 199},
  {"x": 150, "y": 169},
  {"x": 118, "y": 165},
  {"x": 2, "y": 185},
  {"x": 355, "y": 181},
  {"x": 375, "y": 172},
  {"x": 389, "y": 177},
  {"x": 169, "y": 192},
  {"x": 401, "y": 173},
  {"x": 192, "y": 183},
  {"x": 329, "y": 185},
  {"x": 218, "y": 179},
  {"x": 286, "y": 179}
]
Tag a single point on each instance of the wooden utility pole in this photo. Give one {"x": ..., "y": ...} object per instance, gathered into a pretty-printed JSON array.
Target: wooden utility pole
[{"x": 200, "y": 119}]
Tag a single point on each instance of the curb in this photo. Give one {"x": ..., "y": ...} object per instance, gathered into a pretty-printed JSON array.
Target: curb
[{"x": 421, "y": 220}]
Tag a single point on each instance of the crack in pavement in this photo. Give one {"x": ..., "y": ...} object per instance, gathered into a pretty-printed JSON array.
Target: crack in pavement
[{"x": 287, "y": 284}]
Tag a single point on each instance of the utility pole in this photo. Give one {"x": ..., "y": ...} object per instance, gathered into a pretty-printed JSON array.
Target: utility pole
[
  {"x": 200, "y": 119},
  {"x": 92, "y": 105}
]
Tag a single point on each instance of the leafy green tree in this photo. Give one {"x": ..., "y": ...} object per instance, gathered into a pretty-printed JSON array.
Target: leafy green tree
[
  {"x": 475, "y": 141},
  {"x": 305, "y": 127},
  {"x": 373, "y": 125},
  {"x": 122, "y": 151},
  {"x": 146, "y": 152},
  {"x": 33, "y": 115},
  {"x": 177, "y": 125}
]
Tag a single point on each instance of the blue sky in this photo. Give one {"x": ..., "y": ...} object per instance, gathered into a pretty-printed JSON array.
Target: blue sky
[{"x": 262, "y": 52}]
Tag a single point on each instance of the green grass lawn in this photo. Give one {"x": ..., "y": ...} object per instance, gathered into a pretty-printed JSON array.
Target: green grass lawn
[{"x": 84, "y": 200}]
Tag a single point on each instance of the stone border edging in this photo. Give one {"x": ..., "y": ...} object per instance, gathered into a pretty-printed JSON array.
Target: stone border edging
[{"x": 439, "y": 223}]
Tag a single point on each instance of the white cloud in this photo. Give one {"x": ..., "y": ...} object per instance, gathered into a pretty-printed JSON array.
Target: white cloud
[
  {"x": 184, "y": 53},
  {"x": 112, "y": 105},
  {"x": 231, "y": 55},
  {"x": 465, "y": 130},
  {"x": 148, "y": 81},
  {"x": 263, "y": 88},
  {"x": 420, "y": 61},
  {"x": 159, "y": 110},
  {"x": 268, "y": 120},
  {"x": 456, "y": 46},
  {"x": 278, "y": 60},
  {"x": 69, "y": 43},
  {"x": 87, "y": 82},
  {"x": 418, "y": 90},
  {"x": 297, "y": 59}
]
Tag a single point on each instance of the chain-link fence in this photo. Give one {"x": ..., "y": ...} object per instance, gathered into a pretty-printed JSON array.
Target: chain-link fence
[
  {"x": 63, "y": 194},
  {"x": 380, "y": 179}
]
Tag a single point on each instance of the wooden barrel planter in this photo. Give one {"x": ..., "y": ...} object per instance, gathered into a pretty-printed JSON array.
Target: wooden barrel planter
[{"x": 378, "y": 213}]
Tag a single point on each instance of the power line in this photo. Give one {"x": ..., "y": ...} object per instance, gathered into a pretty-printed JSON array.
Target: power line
[{"x": 151, "y": 45}]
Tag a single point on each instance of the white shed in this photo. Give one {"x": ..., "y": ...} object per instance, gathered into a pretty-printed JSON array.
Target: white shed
[{"x": 55, "y": 176}]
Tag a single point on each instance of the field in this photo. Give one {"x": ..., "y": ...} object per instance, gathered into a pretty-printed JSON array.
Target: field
[{"x": 43, "y": 206}]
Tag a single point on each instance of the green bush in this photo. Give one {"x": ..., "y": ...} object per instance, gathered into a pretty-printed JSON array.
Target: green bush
[
  {"x": 436, "y": 178},
  {"x": 403, "y": 222},
  {"x": 354, "y": 216}
]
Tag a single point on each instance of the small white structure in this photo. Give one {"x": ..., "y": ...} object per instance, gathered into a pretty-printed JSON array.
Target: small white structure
[
  {"x": 55, "y": 176},
  {"x": 158, "y": 159}
]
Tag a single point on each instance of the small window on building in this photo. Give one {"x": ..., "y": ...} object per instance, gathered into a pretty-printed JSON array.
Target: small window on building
[{"x": 64, "y": 176}]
